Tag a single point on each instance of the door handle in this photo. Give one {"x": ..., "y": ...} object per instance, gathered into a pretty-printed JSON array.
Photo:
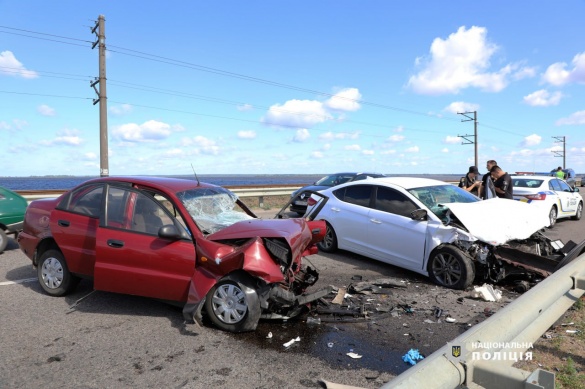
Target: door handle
[
  {"x": 376, "y": 221},
  {"x": 335, "y": 209},
  {"x": 115, "y": 243},
  {"x": 64, "y": 223}
]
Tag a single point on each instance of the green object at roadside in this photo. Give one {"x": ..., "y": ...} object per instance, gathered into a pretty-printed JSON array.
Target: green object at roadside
[{"x": 12, "y": 209}]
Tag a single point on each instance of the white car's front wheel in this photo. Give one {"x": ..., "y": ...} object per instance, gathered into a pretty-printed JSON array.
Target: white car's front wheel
[
  {"x": 552, "y": 216},
  {"x": 579, "y": 212},
  {"x": 451, "y": 268}
]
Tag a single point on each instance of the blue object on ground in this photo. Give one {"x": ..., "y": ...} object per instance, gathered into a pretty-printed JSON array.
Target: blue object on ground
[{"x": 412, "y": 356}]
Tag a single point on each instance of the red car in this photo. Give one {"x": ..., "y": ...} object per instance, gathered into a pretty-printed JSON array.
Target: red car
[{"x": 175, "y": 240}]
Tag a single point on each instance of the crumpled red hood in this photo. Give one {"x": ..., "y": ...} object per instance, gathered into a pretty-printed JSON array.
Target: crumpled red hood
[{"x": 296, "y": 232}]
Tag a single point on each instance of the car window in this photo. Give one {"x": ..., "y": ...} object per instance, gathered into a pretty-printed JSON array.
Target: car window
[
  {"x": 392, "y": 201},
  {"x": 564, "y": 186},
  {"x": 86, "y": 200},
  {"x": 148, "y": 215},
  {"x": 554, "y": 185},
  {"x": 357, "y": 194},
  {"x": 527, "y": 183}
]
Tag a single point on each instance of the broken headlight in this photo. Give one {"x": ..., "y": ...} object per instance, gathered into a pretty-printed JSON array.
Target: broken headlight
[{"x": 279, "y": 250}]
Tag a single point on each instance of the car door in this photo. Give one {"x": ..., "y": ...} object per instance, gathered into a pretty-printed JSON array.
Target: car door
[
  {"x": 567, "y": 199},
  {"x": 130, "y": 256},
  {"x": 392, "y": 235},
  {"x": 74, "y": 223},
  {"x": 349, "y": 217}
]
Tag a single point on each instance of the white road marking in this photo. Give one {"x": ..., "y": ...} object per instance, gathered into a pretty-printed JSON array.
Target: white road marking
[{"x": 17, "y": 281}]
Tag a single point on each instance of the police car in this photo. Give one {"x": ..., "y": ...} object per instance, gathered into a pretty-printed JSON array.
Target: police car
[{"x": 550, "y": 194}]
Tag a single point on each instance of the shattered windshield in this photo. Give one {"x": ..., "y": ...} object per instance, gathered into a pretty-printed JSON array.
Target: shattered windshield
[
  {"x": 435, "y": 196},
  {"x": 212, "y": 209}
]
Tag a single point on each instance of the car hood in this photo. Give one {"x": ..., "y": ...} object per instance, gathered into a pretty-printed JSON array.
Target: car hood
[{"x": 497, "y": 221}]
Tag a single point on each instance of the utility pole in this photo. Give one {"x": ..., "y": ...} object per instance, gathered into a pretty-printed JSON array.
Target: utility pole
[
  {"x": 560, "y": 139},
  {"x": 100, "y": 26},
  {"x": 474, "y": 141}
]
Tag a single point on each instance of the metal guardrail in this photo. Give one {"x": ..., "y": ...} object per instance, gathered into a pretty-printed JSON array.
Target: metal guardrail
[
  {"x": 259, "y": 192},
  {"x": 507, "y": 333}
]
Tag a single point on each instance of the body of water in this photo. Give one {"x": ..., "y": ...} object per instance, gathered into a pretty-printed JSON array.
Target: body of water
[{"x": 235, "y": 180}]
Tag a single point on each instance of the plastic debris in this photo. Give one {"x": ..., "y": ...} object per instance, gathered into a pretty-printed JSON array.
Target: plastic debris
[
  {"x": 353, "y": 355},
  {"x": 572, "y": 331},
  {"x": 438, "y": 312},
  {"x": 450, "y": 320},
  {"x": 330, "y": 344},
  {"x": 486, "y": 292},
  {"x": 290, "y": 342},
  {"x": 269, "y": 336},
  {"x": 340, "y": 296},
  {"x": 313, "y": 320},
  {"x": 429, "y": 321},
  {"x": 412, "y": 357}
]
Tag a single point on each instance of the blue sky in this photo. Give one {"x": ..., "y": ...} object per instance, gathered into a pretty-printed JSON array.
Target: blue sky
[{"x": 292, "y": 87}]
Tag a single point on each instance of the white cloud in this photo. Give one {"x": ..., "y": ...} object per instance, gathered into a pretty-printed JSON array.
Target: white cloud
[
  {"x": 388, "y": 152},
  {"x": 395, "y": 138},
  {"x": 150, "y": 131},
  {"x": 542, "y": 98},
  {"x": 531, "y": 140},
  {"x": 244, "y": 107},
  {"x": 461, "y": 61},
  {"x": 250, "y": 134},
  {"x": 345, "y": 100},
  {"x": 65, "y": 138},
  {"x": 302, "y": 135},
  {"x": 201, "y": 145},
  {"x": 45, "y": 110},
  {"x": 452, "y": 140},
  {"x": 445, "y": 150},
  {"x": 90, "y": 156},
  {"x": 557, "y": 73},
  {"x": 413, "y": 149},
  {"x": 10, "y": 66},
  {"x": 174, "y": 153},
  {"x": 353, "y": 147},
  {"x": 297, "y": 113},
  {"x": 317, "y": 154},
  {"x": 4, "y": 126},
  {"x": 576, "y": 118},
  {"x": 120, "y": 110},
  {"x": 326, "y": 146},
  {"x": 461, "y": 106},
  {"x": 368, "y": 152},
  {"x": 525, "y": 72},
  {"x": 329, "y": 136}
]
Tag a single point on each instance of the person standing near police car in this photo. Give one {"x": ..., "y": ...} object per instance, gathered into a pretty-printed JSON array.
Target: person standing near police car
[
  {"x": 470, "y": 182},
  {"x": 502, "y": 183}
]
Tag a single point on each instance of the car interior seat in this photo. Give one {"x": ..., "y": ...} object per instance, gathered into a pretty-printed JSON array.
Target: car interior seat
[{"x": 145, "y": 216}]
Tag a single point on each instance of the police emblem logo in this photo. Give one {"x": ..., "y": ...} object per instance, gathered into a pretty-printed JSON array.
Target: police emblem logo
[{"x": 456, "y": 351}]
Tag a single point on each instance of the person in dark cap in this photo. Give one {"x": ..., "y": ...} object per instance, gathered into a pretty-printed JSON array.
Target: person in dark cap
[{"x": 471, "y": 182}]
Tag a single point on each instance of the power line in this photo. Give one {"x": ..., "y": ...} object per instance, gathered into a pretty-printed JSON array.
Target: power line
[{"x": 45, "y": 95}]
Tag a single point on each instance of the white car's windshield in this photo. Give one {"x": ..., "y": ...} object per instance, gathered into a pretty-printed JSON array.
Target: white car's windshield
[
  {"x": 212, "y": 209},
  {"x": 434, "y": 196}
]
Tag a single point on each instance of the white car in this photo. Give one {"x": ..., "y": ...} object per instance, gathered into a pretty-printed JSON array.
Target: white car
[
  {"x": 439, "y": 230},
  {"x": 551, "y": 195}
]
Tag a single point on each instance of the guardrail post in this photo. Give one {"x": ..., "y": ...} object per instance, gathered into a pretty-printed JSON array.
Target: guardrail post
[{"x": 261, "y": 201}]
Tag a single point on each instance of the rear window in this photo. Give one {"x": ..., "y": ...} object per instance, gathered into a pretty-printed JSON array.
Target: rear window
[{"x": 527, "y": 183}]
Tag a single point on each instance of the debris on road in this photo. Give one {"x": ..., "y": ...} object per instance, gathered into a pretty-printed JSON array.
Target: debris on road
[
  {"x": 412, "y": 357},
  {"x": 486, "y": 292},
  {"x": 290, "y": 342}
]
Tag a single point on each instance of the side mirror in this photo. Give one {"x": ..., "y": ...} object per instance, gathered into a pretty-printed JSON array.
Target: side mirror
[
  {"x": 419, "y": 214},
  {"x": 575, "y": 189},
  {"x": 169, "y": 231}
]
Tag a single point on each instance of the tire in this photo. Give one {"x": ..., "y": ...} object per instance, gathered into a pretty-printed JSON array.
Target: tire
[
  {"x": 232, "y": 305},
  {"x": 329, "y": 242},
  {"x": 552, "y": 216},
  {"x": 3, "y": 240},
  {"x": 451, "y": 268},
  {"x": 53, "y": 274},
  {"x": 577, "y": 216}
]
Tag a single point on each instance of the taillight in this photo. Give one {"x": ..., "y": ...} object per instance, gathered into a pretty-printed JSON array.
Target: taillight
[
  {"x": 539, "y": 196},
  {"x": 311, "y": 201}
]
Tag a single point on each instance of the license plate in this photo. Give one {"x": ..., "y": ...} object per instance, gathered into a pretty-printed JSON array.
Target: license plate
[{"x": 301, "y": 202}]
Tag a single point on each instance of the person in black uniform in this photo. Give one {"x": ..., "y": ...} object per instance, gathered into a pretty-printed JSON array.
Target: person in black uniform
[
  {"x": 471, "y": 183},
  {"x": 502, "y": 183}
]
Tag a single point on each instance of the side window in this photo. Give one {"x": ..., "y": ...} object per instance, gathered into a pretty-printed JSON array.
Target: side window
[
  {"x": 358, "y": 195},
  {"x": 564, "y": 186},
  {"x": 86, "y": 200},
  {"x": 392, "y": 201},
  {"x": 554, "y": 185},
  {"x": 148, "y": 215},
  {"x": 116, "y": 210}
]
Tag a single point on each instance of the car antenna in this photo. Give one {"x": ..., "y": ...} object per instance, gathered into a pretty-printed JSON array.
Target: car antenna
[{"x": 197, "y": 178}]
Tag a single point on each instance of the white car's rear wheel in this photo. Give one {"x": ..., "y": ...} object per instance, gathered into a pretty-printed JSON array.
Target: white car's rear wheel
[{"x": 552, "y": 216}]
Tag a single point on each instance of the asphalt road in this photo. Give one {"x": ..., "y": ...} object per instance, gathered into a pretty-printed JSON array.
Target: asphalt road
[{"x": 119, "y": 341}]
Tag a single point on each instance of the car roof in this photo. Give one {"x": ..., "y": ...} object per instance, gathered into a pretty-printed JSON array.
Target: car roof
[
  {"x": 404, "y": 182},
  {"x": 529, "y": 177},
  {"x": 170, "y": 184}
]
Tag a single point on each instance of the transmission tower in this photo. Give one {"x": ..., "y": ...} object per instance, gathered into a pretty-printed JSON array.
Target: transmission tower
[
  {"x": 468, "y": 141},
  {"x": 560, "y": 139}
]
